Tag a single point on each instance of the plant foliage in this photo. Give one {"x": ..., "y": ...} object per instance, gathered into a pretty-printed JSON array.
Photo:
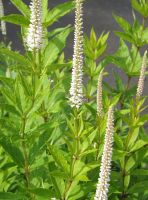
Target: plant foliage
[{"x": 49, "y": 150}]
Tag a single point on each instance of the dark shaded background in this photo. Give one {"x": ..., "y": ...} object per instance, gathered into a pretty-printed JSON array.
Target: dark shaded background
[{"x": 97, "y": 13}]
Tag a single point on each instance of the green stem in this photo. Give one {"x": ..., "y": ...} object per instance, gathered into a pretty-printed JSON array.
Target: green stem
[
  {"x": 23, "y": 134},
  {"x": 128, "y": 138},
  {"x": 123, "y": 180},
  {"x": 24, "y": 148},
  {"x": 99, "y": 136},
  {"x": 74, "y": 157},
  {"x": 134, "y": 62},
  {"x": 129, "y": 78},
  {"x": 128, "y": 82}
]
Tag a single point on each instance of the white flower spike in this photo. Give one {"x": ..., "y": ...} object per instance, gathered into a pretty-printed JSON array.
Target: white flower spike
[
  {"x": 76, "y": 90},
  {"x": 3, "y": 24},
  {"x": 35, "y": 31},
  {"x": 140, "y": 87},
  {"x": 99, "y": 95},
  {"x": 103, "y": 181}
]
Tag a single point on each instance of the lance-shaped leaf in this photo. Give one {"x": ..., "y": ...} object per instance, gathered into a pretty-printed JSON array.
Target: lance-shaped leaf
[
  {"x": 122, "y": 23},
  {"x": 43, "y": 193},
  {"x": 11, "y": 196},
  {"x": 45, "y": 9},
  {"x": 59, "y": 158},
  {"x": 57, "y": 12},
  {"x": 22, "y": 7},
  {"x": 141, "y": 7},
  {"x": 37, "y": 146},
  {"x": 13, "y": 151},
  {"x": 16, "y": 19},
  {"x": 15, "y": 55},
  {"x": 55, "y": 46}
]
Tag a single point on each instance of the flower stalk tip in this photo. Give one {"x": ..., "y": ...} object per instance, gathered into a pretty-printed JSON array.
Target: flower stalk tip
[
  {"x": 76, "y": 90},
  {"x": 104, "y": 176},
  {"x": 3, "y": 24},
  {"x": 140, "y": 86},
  {"x": 34, "y": 36},
  {"x": 99, "y": 95}
]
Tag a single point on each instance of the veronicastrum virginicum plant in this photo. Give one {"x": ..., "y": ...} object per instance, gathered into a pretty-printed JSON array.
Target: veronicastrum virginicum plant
[
  {"x": 3, "y": 24},
  {"x": 57, "y": 118}
]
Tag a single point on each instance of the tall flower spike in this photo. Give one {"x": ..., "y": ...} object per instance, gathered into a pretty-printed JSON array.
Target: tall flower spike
[
  {"x": 99, "y": 95},
  {"x": 34, "y": 36},
  {"x": 140, "y": 87},
  {"x": 103, "y": 181},
  {"x": 3, "y": 24},
  {"x": 76, "y": 90}
]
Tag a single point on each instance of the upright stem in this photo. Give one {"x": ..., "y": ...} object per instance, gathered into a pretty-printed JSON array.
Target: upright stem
[
  {"x": 99, "y": 136},
  {"x": 129, "y": 78},
  {"x": 24, "y": 148},
  {"x": 128, "y": 138},
  {"x": 23, "y": 127},
  {"x": 75, "y": 156},
  {"x": 128, "y": 82}
]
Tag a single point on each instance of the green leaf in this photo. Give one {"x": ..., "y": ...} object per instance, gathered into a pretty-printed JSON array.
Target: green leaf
[
  {"x": 139, "y": 187},
  {"x": 22, "y": 7},
  {"x": 133, "y": 137},
  {"x": 115, "y": 99},
  {"x": 45, "y": 9},
  {"x": 42, "y": 192},
  {"x": 82, "y": 177},
  {"x": 58, "y": 173},
  {"x": 60, "y": 66},
  {"x": 82, "y": 169},
  {"x": 125, "y": 36},
  {"x": 9, "y": 108},
  {"x": 138, "y": 145},
  {"x": 37, "y": 147},
  {"x": 75, "y": 192},
  {"x": 93, "y": 39},
  {"x": 87, "y": 152},
  {"x": 128, "y": 61},
  {"x": 55, "y": 46},
  {"x": 59, "y": 158},
  {"x": 59, "y": 186},
  {"x": 91, "y": 109},
  {"x": 119, "y": 83},
  {"x": 93, "y": 47},
  {"x": 145, "y": 35},
  {"x": 56, "y": 31},
  {"x": 8, "y": 81},
  {"x": 16, "y": 19},
  {"x": 118, "y": 141},
  {"x": 15, "y": 55},
  {"x": 11, "y": 196},
  {"x": 141, "y": 7},
  {"x": 122, "y": 23},
  {"x": 13, "y": 151},
  {"x": 87, "y": 141},
  {"x": 130, "y": 163},
  {"x": 126, "y": 181},
  {"x": 119, "y": 155},
  {"x": 25, "y": 85},
  {"x": 132, "y": 33},
  {"x": 121, "y": 58},
  {"x": 143, "y": 119},
  {"x": 140, "y": 172},
  {"x": 58, "y": 12},
  {"x": 100, "y": 51}
]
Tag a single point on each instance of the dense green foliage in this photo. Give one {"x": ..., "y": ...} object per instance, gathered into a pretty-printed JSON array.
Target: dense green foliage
[{"x": 50, "y": 150}]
